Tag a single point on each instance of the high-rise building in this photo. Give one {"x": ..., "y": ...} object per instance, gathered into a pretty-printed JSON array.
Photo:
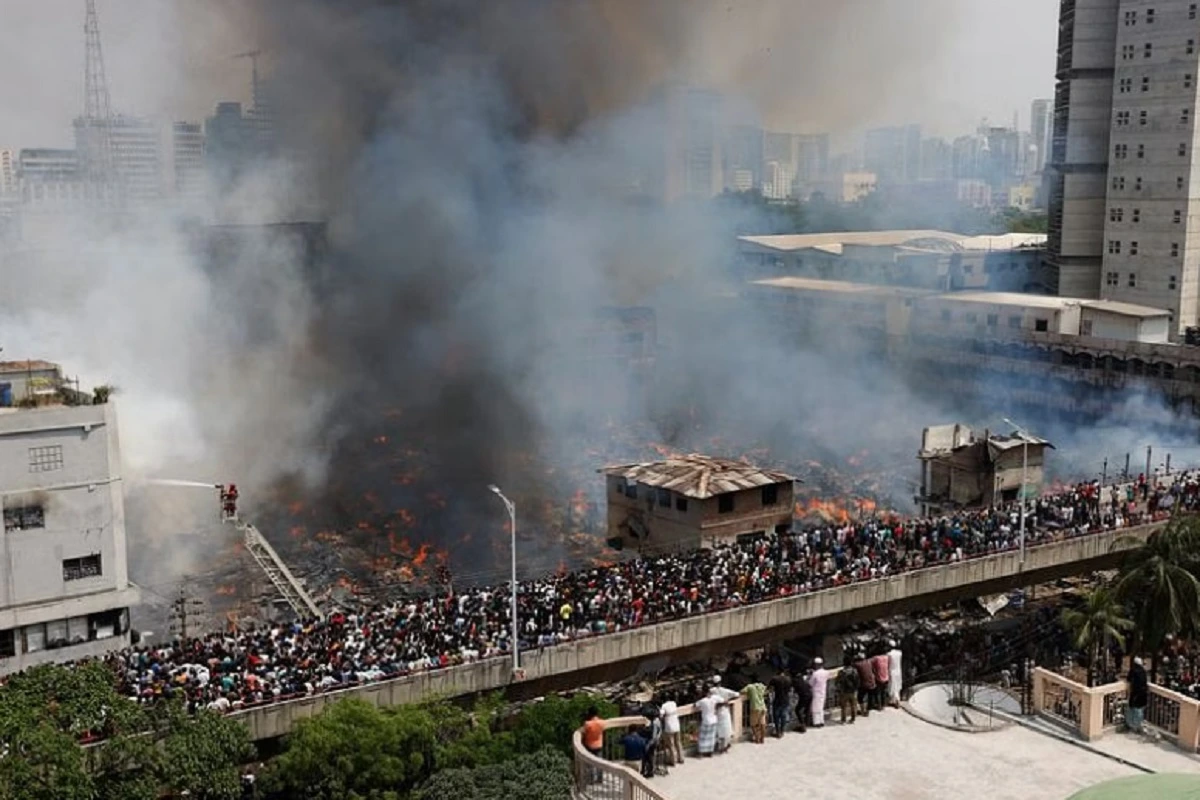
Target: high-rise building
[
  {"x": 894, "y": 154},
  {"x": 805, "y": 156},
  {"x": 135, "y": 146},
  {"x": 777, "y": 181},
  {"x": 742, "y": 158},
  {"x": 1077, "y": 172},
  {"x": 8, "y": 173},
  {"x": 186, "y": 173},
  {"x": 937, "y": 160},
  {"x": 1041, "y": 119},
  {"x": 1125, "y": 191}
]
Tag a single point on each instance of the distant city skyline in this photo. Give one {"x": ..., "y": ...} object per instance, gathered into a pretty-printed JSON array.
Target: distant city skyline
[{"x": 174, "y": 60}]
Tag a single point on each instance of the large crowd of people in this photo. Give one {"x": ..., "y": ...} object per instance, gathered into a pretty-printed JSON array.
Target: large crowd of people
[{"x": 231, "y": 670}]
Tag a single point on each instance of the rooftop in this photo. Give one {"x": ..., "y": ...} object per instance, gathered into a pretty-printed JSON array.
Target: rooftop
[
  {"x": 892, "y": 755},
  {"x": 926, "y": 240},
  {"x": 698, "y": 476},
  {"x": 842, "y": 287},
  {"x": 34, "y": 365},
  {"x": 1047, "y": 301}
]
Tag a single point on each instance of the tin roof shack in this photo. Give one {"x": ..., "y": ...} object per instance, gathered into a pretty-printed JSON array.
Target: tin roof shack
[
  {"x": 960, "y": 470},
  {"x": 694, "y": 501},
  {"x": 33, "y": 383}
]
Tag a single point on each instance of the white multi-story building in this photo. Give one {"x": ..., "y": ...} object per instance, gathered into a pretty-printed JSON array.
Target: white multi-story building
[
  {"x": 8, "y": 173},
  {"x": 1125, "y": 188},
  {"x": 64, "y": 584}
]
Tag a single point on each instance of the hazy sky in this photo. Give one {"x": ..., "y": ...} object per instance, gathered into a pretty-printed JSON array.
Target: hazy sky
[{"x": 174, "y": 58}]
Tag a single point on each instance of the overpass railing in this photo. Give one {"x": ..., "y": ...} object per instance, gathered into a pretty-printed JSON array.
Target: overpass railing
[
  {"x": 605, "y": 777},
  {"x": 1094, "y": 711}
]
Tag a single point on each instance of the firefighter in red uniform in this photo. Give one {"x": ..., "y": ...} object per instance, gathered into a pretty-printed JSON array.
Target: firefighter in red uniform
[{"x": 229, "y": 499}]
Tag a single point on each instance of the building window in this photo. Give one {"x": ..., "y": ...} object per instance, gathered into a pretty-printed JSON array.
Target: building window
[
  {"x": 1146, "y": 84},
  {"x": 1133, "y": 248},
  {"x": 1132, "y": 280},
  {"x": 770, "y": 495},
  {"x": 75, "y": 569},
  {"x": 1126, "y": 85},
  {"x": 1177, "y": 216},
  {"x": 1116, "y": 214},
  {"x": 1112, "y": 279},
  {"x": 1179, "y": 182},
  {"x": 1141, "y": 151},
  {"x": 1041, "y": 325},
  {"x": 1118, "y": 183},
  {"x": 680, "y": 503},
  {"x": 1174, "y": 249},
  {"x": 24, "y": 518},
  {"x": 1191, "y": 46},
  {"x": 46, "y": 459},
  {"x": 1114, "y": 247},
  {"x": 1122, "y": 117},
  {"x": 1127, "y": 52},
  {"x": 1188, "y": 80},
  {"x": 1120, "y": 151},
  {"x": 1137, "y": 183},
  {"x": 8, "y": 643},
  {"x": 993, "y": 320},
  {"x": 1182, "y": 149},
  {"x": 725, "y": 504},
  {"x": 1130, "y": 18},
  {"x": 1085, "y": 327},
  {"x": 1172, "y": 283},
  {"x": 35, "y": 638},
  {"x": 970, "y": 318},
  {"x": 1185, "y": 116},
  {"x": 1148, "y": 50},
  {"x": 1136, "y": 216},
  {"x": 1142, "y": 118},
  {"x": 1014, "y": 321},
  {"x": 631, "y": 491},
  {"x": 1149, "y": 17},
  {"x": 1192, "y": 11},
  {"x": 664, "y": 498}
]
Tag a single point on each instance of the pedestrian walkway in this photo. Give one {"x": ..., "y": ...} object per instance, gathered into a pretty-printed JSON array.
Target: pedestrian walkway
[{"x": 891, "y": 755}]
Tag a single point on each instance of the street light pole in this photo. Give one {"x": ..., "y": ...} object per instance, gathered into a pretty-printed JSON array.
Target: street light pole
[
  {"x": 1024, "y": 479},
  {"x": 511, "y": 507}
]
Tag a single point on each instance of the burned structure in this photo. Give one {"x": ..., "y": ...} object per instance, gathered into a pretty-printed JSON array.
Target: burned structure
[
  {"x": 691, "y": 501},
  {"x": 960, "y": 470}
]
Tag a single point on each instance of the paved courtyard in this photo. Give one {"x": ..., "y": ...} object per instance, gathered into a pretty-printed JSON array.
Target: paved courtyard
[{"x": 894, "y": 756}]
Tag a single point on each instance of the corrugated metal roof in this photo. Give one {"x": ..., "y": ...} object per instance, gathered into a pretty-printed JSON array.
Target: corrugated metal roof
[
  {"x": 698, "y": 476},
  {"x": 922, "y": 240},
  {"x": 35, "y": 365}
]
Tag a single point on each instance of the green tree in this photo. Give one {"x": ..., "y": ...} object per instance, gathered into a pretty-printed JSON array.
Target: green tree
[
  {"x": 203, "y": 752},
  {"x": 1098, "y": 622},
  {"x": 544, "y": 775},
  {"x": 551, "y": 722},
  {"x": 45, "y": 711},
  {"x": 354, "y": 751},
  {"x": 1158, "y": 584}
]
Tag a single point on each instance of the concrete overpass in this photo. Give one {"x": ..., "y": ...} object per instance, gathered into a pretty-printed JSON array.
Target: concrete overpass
[{"x": 655, "y": 647}]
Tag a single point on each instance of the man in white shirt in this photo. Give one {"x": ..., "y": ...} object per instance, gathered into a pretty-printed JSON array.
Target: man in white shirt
[{"x": 670, "y": 718}]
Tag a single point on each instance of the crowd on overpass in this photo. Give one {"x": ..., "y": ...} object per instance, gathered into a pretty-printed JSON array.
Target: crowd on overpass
[{"x": 230, "y": 670}]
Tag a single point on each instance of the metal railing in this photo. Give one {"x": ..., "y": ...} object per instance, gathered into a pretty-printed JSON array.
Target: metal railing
[
  {"x": 1162, "y": 712},
  {"x": 1114, "y": 708},
  {"x": 1061, "y": 701},
  {"x": 599, "y": 778}
]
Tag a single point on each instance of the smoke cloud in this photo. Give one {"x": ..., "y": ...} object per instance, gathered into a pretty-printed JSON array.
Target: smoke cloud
[{"x": 482, "y": 168}]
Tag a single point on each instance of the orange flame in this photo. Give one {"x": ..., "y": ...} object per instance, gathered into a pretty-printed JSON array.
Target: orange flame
[
  {"x": 226, "y": 591},
  {"x": 380, "y": 439},
  {"x": 828, "y": 509},
  {"x": 422, "y": 555}
]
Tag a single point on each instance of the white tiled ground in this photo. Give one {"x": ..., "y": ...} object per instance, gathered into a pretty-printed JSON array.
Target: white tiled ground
[{"x": 891, "y": 755}]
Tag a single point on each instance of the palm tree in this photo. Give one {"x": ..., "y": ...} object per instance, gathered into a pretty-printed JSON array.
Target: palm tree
[
  {"x": 1100, "y": 621},
  {"x": 1158, "y": 584}
]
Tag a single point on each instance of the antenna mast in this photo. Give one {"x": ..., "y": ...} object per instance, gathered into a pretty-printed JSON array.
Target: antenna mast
[{"x": 97, "y": 157}]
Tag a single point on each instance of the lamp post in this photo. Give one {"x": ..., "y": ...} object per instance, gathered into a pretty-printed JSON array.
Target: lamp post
[
  {"x": 511, "y": 507},
  {"x": 1024, "y": 478}
]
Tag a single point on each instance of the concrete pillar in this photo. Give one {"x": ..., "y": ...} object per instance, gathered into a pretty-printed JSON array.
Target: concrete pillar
[
  {"x": 1039, "y": 690},
  {"x": 1091, "y": 713},
  {"x": 1189, "y": 725}
]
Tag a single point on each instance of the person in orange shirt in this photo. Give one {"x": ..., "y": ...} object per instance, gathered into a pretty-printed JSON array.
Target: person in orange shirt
[{"x": 593, "y": 732}]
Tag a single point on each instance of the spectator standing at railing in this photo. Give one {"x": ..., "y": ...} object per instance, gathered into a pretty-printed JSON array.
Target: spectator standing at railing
[
  {"x": 804, "y": 696},
  {"x": 725, "y": 700},
  {"x": 866, "y": 684},
  {"x": 847, "y": 687},
  {"x": 895, "y": 673},
  {"x": 671, "y": 731},
  {"x": 818, "y": 681},
  {"x": 879, "y": 665},
  {"x": 756, "y": 694},
  {"x": 706, "y": 740},
  {"x": 781, "y": 691},
  {"x": 1139, "y": 696}
]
